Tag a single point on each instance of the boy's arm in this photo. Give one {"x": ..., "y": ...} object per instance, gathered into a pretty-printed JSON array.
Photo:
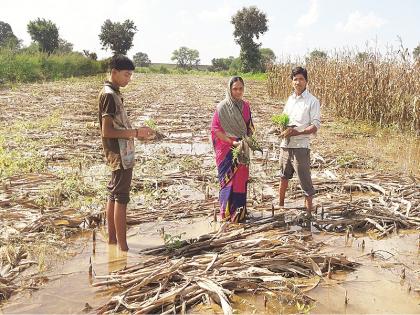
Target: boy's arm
[{"x": 108, "y": 131}]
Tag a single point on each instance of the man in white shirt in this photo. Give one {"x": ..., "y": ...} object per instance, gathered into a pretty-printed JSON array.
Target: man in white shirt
[{"x": 304, "y": 112}]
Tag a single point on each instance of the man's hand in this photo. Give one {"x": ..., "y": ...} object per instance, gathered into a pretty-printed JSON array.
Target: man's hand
[
  {"x": 146, "y": 133},
  {"x": 290, "y": 132}
]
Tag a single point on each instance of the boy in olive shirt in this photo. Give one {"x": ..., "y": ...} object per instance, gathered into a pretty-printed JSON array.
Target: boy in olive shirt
[{"x": 118, "y": 143}]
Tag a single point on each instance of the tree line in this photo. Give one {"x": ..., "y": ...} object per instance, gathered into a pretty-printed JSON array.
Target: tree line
[{"x": 249, "y": 25}]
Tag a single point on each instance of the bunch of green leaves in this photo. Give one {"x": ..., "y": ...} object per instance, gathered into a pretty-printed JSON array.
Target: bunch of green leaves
[
  {"x": 173, "y": 241},
  {"x": 151, "y": 124},
  {"x": 281, "y": 120},
  {"x": 235, "y": 153},
  {"x": 254, "y": 144}
]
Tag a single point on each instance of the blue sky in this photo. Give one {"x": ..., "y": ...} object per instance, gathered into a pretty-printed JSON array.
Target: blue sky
[{"x": 295, "y": 27}]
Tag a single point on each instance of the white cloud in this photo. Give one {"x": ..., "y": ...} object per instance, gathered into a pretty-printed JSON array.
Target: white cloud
[
  {"x": 310, "y": 17},
  {"x": 356, "y": 23}
]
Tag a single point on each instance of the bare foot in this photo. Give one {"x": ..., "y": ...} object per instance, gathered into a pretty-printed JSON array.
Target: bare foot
[{"x": 124, "y": 248}]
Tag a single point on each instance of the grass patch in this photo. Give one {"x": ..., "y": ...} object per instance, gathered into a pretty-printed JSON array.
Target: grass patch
[
  {"x": 171, "y": 70},
  {"x": 20, "y": 66},
  {"x": 19, "y": 154}
]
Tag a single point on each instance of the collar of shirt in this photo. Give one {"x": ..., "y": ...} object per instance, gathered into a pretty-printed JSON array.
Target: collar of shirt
[
  {"x": 303, "y": 95},
  {"x": 112, "y": 86}
]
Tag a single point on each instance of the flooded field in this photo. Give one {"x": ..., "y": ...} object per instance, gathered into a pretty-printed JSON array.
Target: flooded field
[{"x": 359, "y": 255}]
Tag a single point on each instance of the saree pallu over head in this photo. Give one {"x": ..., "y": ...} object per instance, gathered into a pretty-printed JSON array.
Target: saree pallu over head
[{"x": 232, "y": 117}]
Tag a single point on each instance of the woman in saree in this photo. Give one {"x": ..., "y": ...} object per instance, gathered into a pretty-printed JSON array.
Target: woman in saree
[{"x": 231, "y": 128}]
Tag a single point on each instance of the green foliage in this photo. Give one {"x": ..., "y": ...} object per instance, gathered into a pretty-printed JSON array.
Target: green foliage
[
  {"x": 303, "y": 308},
  {"x": 90, "y": 55},
  {"x": 268, "y": 58},
  {"x": 16, "y": 161},
  {"x": 29, "y": 66},
  {"x": 64, "y": 47},
  {"x": 254, "y": 144},
  {"x": 235, "y": 153},
  {"x": 317, "y": 55},
  {"x": 186, "y": 58},
  {"x": 117, "y": 36},
  {"x": 45, "y": 33},
  {"x": 235, "y": 66},
  {"x": 234, "y": 70},
  {"x": 151, "y": 124},
  {"x": 18, "y": 154},
  {"x": 249, "y": 23},
  {"x": 239, "y": 156},
  {"x": 72, "y": 187},
  {"x": 7, "y": 38},
  {"x": 173, "y": 241},
  {"x": 347, "y": 159},
  {"x": 250, "y": 57},
  {"x": 221, "y": 64},
  {"x": 362, "y": 57},
  {"x": 281, "y": 120},
  {"x": 141, "y": 60}
]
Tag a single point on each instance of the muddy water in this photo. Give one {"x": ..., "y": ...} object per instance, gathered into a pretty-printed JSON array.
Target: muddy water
[
  {"x": 378, "y": 285},
  {"x": 70, "y": 287},
  {"x": 194, "y": 148},
  {"x": 374, "y": 287}
]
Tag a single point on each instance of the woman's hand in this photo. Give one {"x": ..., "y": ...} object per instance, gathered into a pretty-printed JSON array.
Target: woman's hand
[{"x": 236, "y": 143}]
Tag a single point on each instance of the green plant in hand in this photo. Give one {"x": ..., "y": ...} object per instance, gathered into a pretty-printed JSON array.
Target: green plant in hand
[
  {"x": 281, "y": 120},
  {"x": 235, "y": 153},
  {"x": 151, "y": 124},
  {"x": 253, "y": 144}
]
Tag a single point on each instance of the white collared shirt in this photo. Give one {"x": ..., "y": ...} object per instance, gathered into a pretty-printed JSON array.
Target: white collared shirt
[{"x": 303, "y": 111}]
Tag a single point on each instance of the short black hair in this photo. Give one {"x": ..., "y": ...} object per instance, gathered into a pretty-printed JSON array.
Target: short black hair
[
  {"x": 236, "y": 79},
  {"x": 299, "y": 70},
  {"x": 121, "y": 62}
]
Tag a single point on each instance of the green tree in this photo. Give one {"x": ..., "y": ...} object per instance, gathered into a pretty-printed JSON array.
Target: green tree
[
  {"x": 90, "y": 55},
  {"x": 268, "y": 57},
  {"x": 235, "y": 66},
  {"x": 117, "y": 36},
  {"x": 249, "y": 23},
  {"x": 221, "y": 64},
  {"x": 64, "y": 47},
  {"x": 45, "y": 33},
  {"x": 318, "y": 55},
  {"x": 186, "y": 58},
  {"x": 416, "y": 53},
  {"x": 362, "y": 56},
  {"x": 141, "y": 60},
  {"x": 7, "y": 38}
]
